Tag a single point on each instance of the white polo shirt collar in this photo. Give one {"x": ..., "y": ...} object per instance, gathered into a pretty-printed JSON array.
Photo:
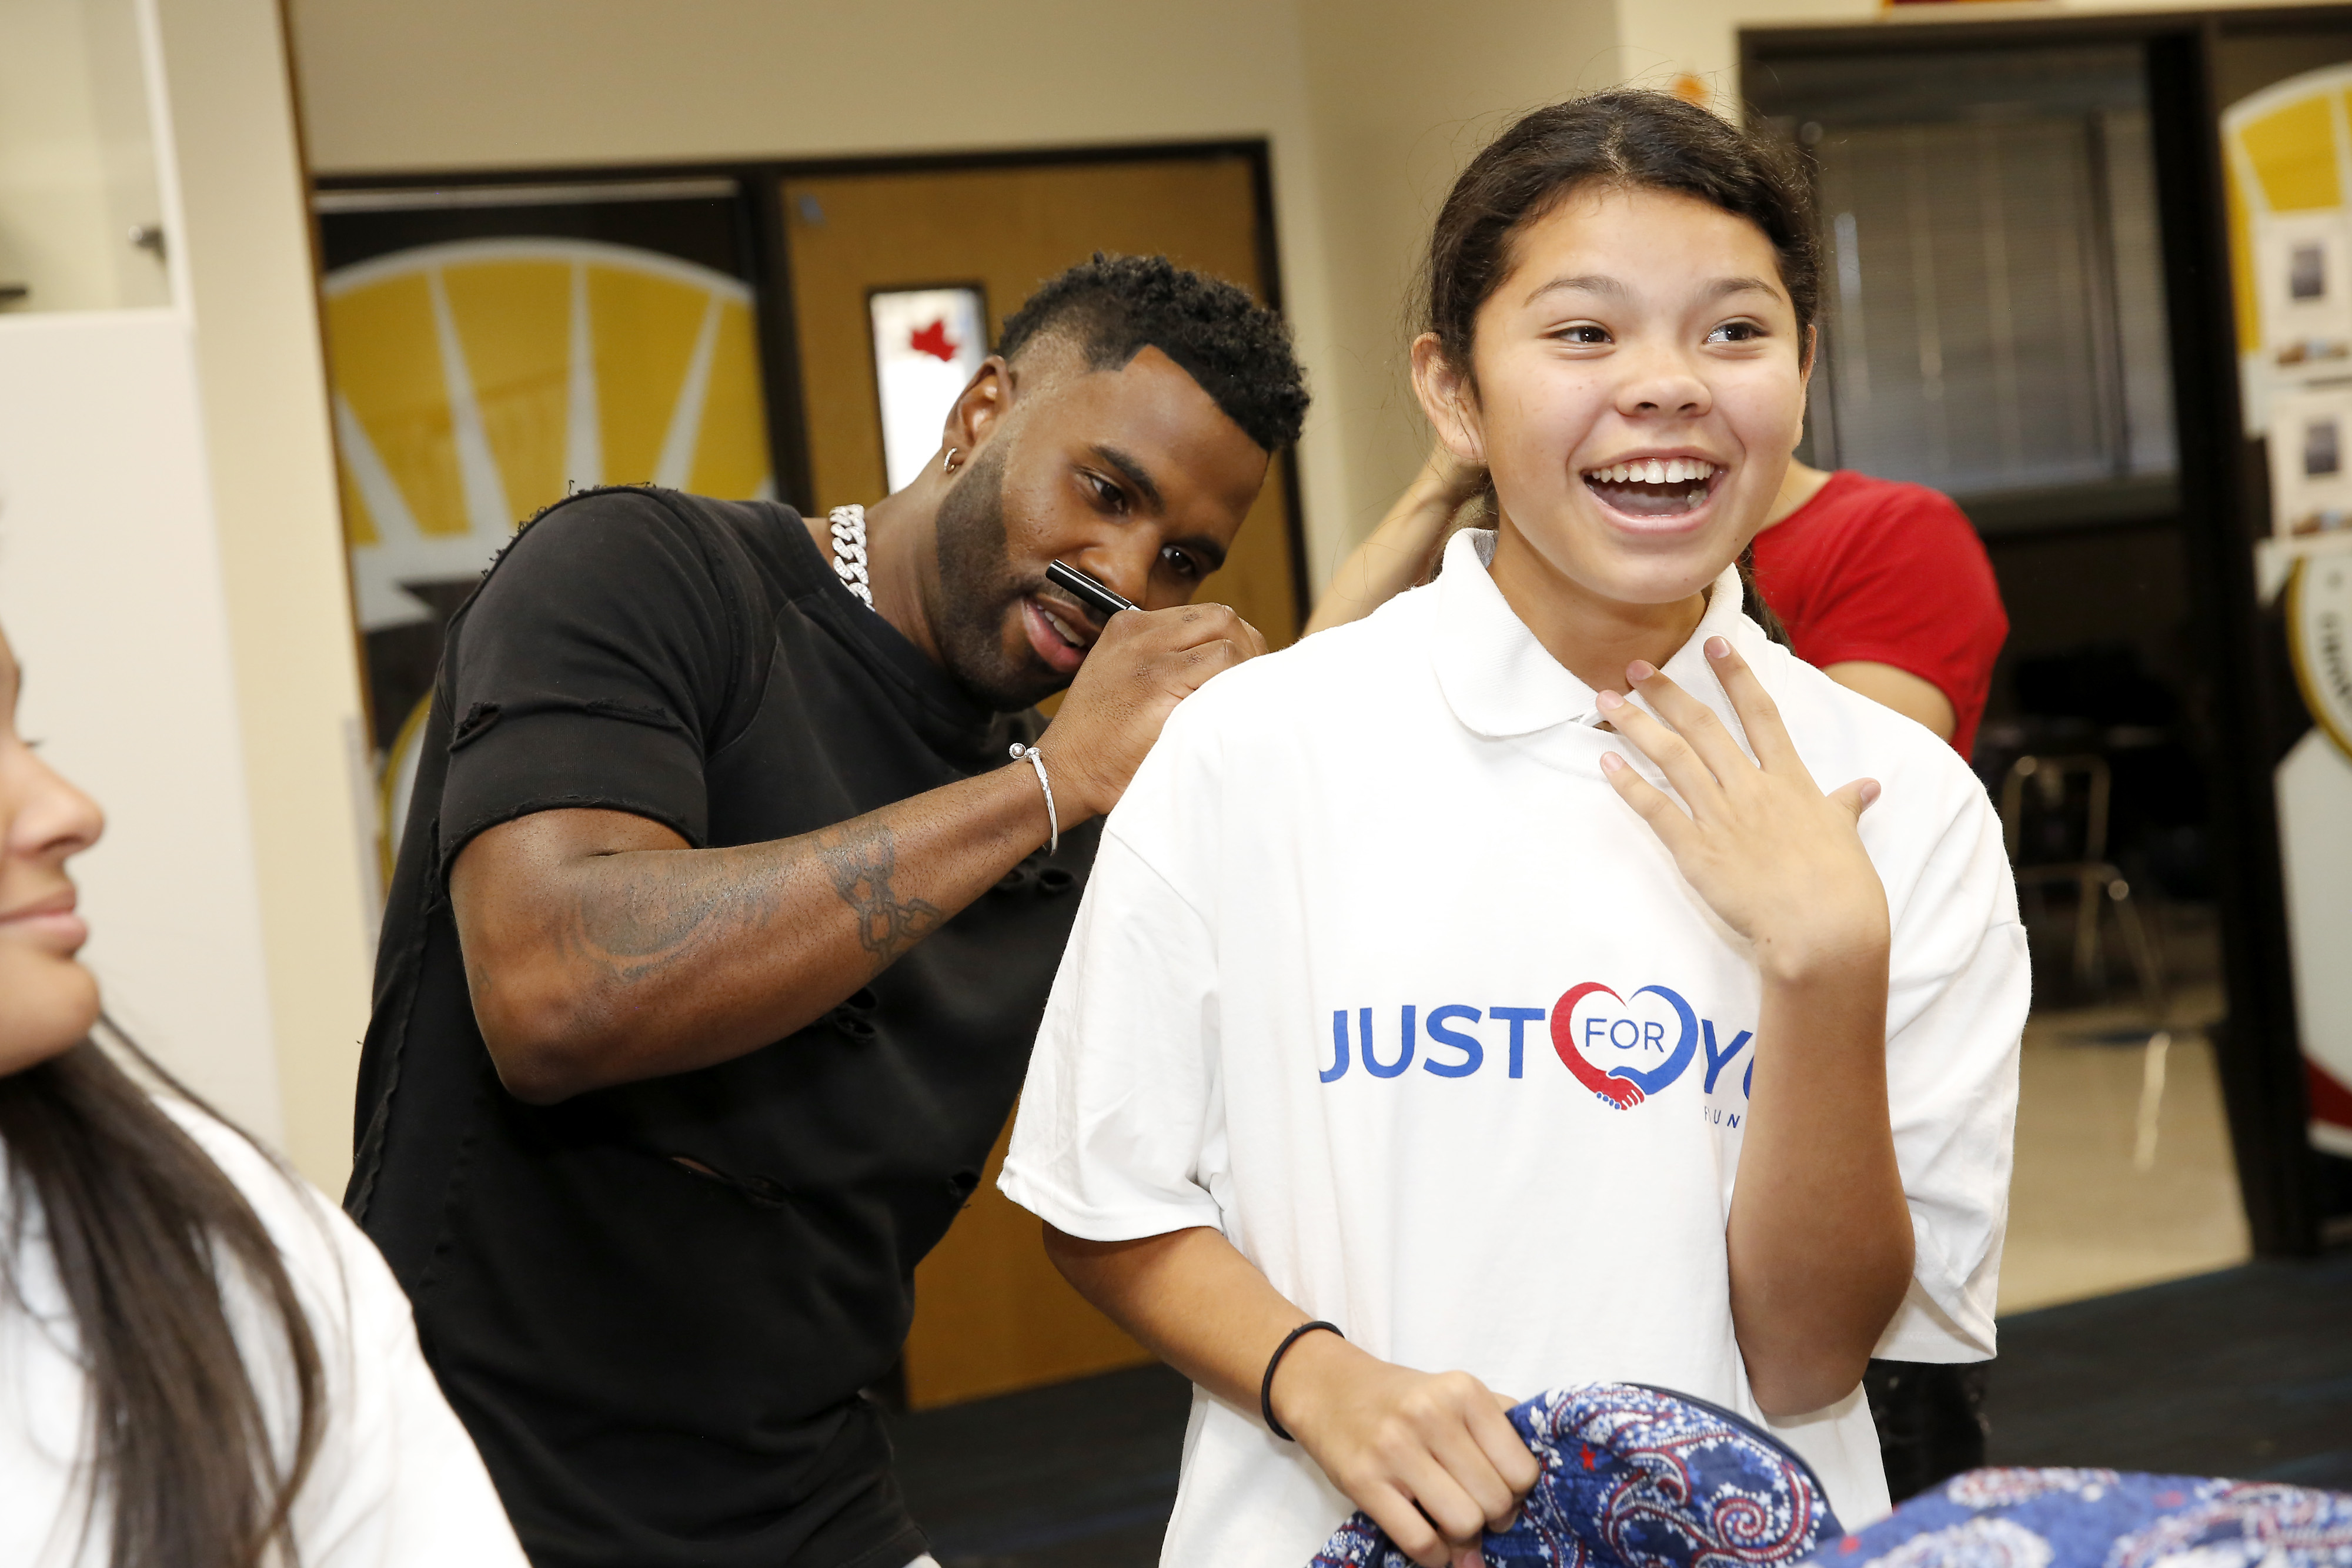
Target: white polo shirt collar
[{"x": 1501, "y": 681}]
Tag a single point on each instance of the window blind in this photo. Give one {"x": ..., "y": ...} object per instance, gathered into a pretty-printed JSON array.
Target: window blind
[{"x": 1992, "y": 303}]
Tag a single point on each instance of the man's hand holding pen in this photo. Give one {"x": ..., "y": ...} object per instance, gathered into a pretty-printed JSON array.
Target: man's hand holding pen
[{"x": 1142, "y": 663}]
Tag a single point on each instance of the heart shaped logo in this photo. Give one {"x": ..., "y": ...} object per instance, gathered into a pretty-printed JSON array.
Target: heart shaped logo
[{"x": 1622, "y": 1057}]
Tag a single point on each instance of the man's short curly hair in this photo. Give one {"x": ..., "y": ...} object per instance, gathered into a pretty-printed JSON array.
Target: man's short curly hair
[{"x": 1114, "y": 306}]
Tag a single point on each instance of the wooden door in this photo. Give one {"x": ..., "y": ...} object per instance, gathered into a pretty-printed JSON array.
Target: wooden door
[
  {"x": 991, "y": 1312},
  {"x": 1008, "y": 229}
]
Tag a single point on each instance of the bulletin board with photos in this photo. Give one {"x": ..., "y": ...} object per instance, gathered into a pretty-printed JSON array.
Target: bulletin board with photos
[
  {"x": 2287, "y": 163},
  {"x": 2304, "y": 264},
  {"x": 2291, "y": 184}
]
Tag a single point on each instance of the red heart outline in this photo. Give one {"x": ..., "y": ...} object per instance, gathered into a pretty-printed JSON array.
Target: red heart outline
[{"x": 1624, "y": 1096}]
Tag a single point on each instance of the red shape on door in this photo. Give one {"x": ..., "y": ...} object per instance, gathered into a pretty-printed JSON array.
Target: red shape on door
[{"x": 933, "y": 341}]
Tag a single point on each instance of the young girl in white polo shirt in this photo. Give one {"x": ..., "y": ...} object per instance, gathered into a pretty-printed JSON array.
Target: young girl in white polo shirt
[{"x": 1430, "y": 986}]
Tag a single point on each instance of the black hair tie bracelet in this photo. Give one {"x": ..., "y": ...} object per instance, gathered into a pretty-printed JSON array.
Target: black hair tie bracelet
[{"x": 1266, "y": 1389}]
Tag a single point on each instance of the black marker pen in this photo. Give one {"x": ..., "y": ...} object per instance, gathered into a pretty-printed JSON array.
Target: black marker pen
[{"x": 1086, "y": 590}]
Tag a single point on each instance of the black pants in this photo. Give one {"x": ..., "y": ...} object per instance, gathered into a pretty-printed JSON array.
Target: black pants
[{"x": 1930, "y": 1418}]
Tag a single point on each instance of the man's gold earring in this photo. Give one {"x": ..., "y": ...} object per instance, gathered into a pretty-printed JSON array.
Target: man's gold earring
[{"x": 947, "y": 464}]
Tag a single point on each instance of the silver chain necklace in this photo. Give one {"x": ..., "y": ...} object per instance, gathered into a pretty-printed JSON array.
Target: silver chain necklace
[
  {"x": 849, "y": 551},
  {"x": 849, "y": 565}
]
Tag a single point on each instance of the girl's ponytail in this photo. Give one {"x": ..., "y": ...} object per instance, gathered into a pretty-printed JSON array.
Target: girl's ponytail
[{"x": 1751, "y": 600}]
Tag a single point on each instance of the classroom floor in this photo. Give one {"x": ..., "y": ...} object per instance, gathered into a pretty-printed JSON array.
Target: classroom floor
[
  {"x": 2247, "y": 1372},
  {"x": 1079, "y": 1475},
  {"x": 2119, "y": 1182},
  {"x": 2123, "y": 1174}
]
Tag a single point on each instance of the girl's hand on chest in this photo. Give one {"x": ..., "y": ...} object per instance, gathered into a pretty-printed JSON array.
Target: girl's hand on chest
[{"x": 1780, "y": 862}]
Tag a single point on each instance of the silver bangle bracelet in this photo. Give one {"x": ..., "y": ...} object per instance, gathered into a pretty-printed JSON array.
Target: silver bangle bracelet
[{"x": 1036, "y": 760}]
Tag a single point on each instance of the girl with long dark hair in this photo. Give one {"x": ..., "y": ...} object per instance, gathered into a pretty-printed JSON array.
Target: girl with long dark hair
[
  {"x": 203, "y": 1364},
  {"x": 1484, "y": 998}
]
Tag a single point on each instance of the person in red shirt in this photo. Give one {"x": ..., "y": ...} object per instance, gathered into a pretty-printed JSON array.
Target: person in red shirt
[
  {"x": 1882, "y": 586},
  {"x": 1885, "y": 589}
]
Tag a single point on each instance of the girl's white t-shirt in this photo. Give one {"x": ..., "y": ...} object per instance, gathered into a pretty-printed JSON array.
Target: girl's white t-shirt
[
  {"x": 396, "y": 1482},
  {"x": 1368, "y": 941}
]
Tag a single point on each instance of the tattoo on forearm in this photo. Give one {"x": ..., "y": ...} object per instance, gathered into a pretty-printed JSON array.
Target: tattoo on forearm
[
  {"x": 860, "y": 860},
  {"x": 658, "y": 918},
  {"x": 650, "y": 921},
  {"x": 653, "y": 917}
]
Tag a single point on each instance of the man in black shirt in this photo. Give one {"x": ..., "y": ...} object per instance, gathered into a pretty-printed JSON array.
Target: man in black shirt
[{"x": 723, "y": 924}]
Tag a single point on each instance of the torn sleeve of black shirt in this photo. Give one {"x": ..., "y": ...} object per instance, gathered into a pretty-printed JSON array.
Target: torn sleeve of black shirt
[{"x": 597, "y": 668}]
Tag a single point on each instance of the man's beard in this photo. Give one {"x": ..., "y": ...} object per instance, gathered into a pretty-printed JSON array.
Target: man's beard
[{"x": 975, "y": 586}]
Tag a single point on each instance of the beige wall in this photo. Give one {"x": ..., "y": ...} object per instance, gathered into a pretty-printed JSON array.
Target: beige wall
[
  {"x": 1402, "y": 95},
  {"x": 77, "y": 167},
  {"x": 242, "y": 252}
]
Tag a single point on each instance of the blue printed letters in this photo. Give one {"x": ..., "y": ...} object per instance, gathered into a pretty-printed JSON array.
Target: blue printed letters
[
  {"x": 1519, "y": 1019},
  {"x": 1717, "y": 1060},
  {"x": 1372, "y": 1063},
  {"x": 1628, "y": 1053},
  {"x": 1473, "y": 1053}
]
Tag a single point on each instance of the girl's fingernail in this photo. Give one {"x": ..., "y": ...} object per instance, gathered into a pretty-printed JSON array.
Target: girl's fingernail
[
  {"x": 1869, "y": 791},
  {"x": 1716, "y": 648},
  {"x": 1611, "y": 763},
  {"x": 1610, "y": 701},
  {"x": 1640, "y": 670}
]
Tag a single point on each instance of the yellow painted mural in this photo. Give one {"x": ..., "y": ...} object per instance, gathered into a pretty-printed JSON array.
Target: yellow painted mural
[{"x": 478, "y": 382}]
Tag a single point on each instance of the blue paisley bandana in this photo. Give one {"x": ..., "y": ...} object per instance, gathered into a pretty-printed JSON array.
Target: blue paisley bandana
[
  {"x": 2103, "y": 1518},
  {"x": 1639, "y": 1478}
]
